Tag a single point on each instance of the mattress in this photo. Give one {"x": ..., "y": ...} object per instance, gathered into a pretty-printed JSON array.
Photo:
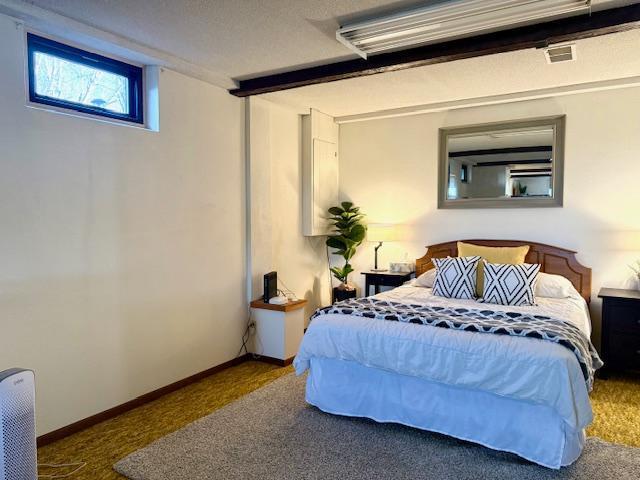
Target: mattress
[{"x": 521, "y": 369}]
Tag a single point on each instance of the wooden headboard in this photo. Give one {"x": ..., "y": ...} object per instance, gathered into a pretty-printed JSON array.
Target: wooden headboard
[{"x": 558, "y": 261}]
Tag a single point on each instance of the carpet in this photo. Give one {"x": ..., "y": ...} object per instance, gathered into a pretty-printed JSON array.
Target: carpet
[
  {"x": 104, "y": 444},
  {"x": 273, "y": 434}
]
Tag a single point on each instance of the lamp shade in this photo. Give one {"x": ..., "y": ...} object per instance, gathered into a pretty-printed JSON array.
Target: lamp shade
[{"x": 379, "y": 232}]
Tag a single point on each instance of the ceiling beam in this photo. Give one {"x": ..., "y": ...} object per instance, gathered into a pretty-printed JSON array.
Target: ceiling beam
[
  {"x": 501, "y": 151},
  {"x": 532, "y": 36}
]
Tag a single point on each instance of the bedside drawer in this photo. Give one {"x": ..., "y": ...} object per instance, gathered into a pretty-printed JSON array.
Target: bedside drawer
[
  {"x": 624, "y": 318},
  {"x": 624, "y": 350},
  {"x": 386, "y": 281}
]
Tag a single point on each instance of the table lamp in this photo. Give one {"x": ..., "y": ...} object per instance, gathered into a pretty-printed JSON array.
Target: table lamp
[{"x": 381, "y": 233}]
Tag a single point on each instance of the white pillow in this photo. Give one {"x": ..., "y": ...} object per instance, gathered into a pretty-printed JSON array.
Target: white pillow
[
  {"x": 554, "y": 286},
  {"x": 427, "y": 279}
]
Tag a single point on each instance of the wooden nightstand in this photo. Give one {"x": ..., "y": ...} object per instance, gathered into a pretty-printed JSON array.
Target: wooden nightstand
[
  {"x": 384, "y": 279},
  {"x": 620, "y": 329}
]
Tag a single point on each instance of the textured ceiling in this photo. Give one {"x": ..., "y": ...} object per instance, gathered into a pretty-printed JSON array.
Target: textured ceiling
[
  {"x": 601, "y": 58},
  {"x": 235, "y": 38}
]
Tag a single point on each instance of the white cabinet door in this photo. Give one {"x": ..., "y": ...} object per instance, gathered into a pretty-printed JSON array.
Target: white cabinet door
[
  {"x": 325, "y": 183},
  {"x": 320, "y": 137}
]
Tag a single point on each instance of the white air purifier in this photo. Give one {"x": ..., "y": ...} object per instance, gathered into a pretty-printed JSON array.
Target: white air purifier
[{"x": 18, "y": 457}]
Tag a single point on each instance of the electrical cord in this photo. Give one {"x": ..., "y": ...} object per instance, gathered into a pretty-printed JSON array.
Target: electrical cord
[
  {"x": 287, "y": 292},
  {"x": 246, "y": 335},
  {"x": 79, "y": 466}
]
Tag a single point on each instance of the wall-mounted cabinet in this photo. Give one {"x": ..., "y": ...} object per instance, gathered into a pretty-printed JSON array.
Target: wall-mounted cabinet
[{"x": 319, "y": 170}]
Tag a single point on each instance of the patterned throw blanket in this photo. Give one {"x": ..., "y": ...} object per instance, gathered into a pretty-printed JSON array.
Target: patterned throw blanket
[{"x": 478, "y": 320}]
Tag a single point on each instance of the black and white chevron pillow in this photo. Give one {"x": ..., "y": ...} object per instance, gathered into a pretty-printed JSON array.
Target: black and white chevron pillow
[
  {"x": 510, "y": 284},
  {"x": 455, "y": 277}
]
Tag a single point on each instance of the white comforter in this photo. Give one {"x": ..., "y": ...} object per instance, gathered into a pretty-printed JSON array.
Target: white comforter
[{"x": 525, "y": 369}]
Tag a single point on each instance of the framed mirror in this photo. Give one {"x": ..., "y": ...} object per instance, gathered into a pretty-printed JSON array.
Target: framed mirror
[{"x": 518, "y": 164}]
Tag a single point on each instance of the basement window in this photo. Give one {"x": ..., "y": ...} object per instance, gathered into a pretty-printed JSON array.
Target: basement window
[{"x": 69, "y": 78}]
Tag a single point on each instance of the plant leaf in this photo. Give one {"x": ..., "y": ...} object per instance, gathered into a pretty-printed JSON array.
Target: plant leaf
[
  {"x": 335, "y": 242},
  {"x": 358, "y": 233}
]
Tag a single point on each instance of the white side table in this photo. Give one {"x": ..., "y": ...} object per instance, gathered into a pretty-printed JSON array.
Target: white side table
[{"x": 279, "y": 330}]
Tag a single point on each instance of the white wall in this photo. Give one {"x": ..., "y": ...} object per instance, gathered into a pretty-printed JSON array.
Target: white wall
[
  {"x": 389, "y": 168},
  {"x": 121, "y": 250},
  {"x": 300, "y": 261},
  {"x": 536, "y": 185},
  {"x": 276, "y": 207}
]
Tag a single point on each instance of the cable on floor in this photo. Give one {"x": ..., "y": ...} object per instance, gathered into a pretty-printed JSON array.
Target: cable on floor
[{"x": 79, "y": 466}]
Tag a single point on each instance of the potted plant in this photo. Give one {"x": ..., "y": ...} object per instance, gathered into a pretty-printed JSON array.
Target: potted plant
[
  {"x": 522, "y": 189},
  {"x": 348, "y": 234}
]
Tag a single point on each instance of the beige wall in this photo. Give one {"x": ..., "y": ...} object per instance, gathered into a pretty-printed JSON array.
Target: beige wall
[
  {"x": 122, "y": 250},
  {"x": 300, "y": 261},
  {"x": 277, "y": 242},
  {"x": 389, "y": 168}
]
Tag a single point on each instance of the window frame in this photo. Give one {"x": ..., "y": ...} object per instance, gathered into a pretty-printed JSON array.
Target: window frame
[
  {"x": 133, "y": 73},
  {"x": 464, "y": 173}
]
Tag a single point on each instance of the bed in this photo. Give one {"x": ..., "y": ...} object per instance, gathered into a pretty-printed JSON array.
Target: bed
[{"x": 516, "y": 394}]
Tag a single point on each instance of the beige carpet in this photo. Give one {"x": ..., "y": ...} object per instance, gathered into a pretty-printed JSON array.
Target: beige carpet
[
  {"x": 616, "y": 403},
  {"x": 273, "y": 434}
]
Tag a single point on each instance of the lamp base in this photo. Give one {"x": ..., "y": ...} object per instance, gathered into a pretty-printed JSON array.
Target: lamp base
[{"x": 379, "y": 269}]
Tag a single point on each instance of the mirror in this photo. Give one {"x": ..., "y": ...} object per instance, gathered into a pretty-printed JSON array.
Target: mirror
[{"x": 502, "y": 165}]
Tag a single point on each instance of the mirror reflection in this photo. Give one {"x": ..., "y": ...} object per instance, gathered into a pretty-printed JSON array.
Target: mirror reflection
[
  {"x": 505, "y": 164},
  {"x": 513, "y": 163}
]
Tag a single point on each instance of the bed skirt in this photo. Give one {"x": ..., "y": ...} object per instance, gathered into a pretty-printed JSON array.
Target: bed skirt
[{"x": 534, "y": 432}]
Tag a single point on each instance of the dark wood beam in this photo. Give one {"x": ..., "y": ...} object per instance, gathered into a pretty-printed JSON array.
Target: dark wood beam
[
  {"x": 532, "y": 36},
  {"x": 531, "y": 176},
  {"x": 532, "y": 170},
  {"x": 501, "y": 151},
  {"x": 500, "y": 163}
]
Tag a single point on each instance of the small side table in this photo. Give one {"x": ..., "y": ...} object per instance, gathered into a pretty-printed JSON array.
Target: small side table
[
  {"x": 279, "y": 330},
  {"x": 384, "y": 279},
  {"x": 620, "y": 344}
]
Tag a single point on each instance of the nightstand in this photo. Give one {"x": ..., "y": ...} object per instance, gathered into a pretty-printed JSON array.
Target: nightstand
[
  {"x": 384, "y": 279},
  {"x": 620, "y": 343},
  {"x": 279, "y": 330}
]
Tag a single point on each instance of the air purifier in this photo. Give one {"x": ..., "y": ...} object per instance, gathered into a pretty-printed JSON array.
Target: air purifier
[{"x": 18, "y": 457}]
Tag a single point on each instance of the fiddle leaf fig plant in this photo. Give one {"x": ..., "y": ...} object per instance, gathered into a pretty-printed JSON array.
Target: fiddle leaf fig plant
[{"x": 348, "y": 233}]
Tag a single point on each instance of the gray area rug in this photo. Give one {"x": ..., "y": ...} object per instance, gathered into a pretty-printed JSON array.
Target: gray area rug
[{"x": 273, "y": 434}]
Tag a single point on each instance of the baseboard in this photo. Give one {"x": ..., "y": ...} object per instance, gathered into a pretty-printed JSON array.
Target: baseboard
[
  {"x": 272, "y": 360},
  {"x": 75, "y": 427}
]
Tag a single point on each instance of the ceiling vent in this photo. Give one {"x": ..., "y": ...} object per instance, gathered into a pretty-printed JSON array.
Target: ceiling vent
[
  {"x": 560, "y": 53},
  {"x": 447, "y": 20}
]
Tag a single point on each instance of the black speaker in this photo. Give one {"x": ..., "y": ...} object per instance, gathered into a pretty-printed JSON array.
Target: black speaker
[{"x": 270, "y": 286}]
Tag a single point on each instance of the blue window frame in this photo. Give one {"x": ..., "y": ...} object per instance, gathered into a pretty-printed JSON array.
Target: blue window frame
[{"x": 67, "y": 77}]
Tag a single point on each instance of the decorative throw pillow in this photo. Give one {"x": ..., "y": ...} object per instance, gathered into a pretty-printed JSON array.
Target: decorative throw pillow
[
  {"x": 510, "y": 284},
  {"x": 504, "y": 255},
  {"x": 427, "y": 279},
  {"x": 455, "y": 277}
]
